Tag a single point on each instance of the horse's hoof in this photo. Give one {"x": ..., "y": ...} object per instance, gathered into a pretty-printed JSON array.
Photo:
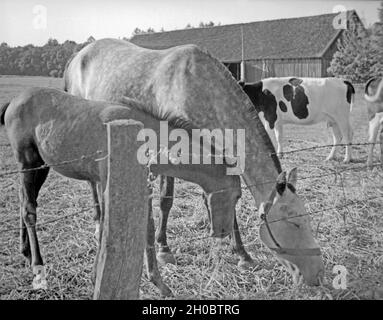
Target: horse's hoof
[
  {"x": 345, "y": 161},
  {"x": 246, "y": 264},
  {"x": 329, "y": 159},
  {"x": 165, "y": 291},
  {"x": 165, "y": 257},
  {"x": 40, "y": 284}
]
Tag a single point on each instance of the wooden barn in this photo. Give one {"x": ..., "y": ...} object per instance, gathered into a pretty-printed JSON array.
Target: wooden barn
[{"x": 301, "y": 47}]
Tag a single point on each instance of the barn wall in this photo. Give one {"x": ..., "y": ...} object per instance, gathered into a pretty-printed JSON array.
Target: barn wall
[
  {"x": 258, "y": 69},
  {"x": 327, "y": 57}
]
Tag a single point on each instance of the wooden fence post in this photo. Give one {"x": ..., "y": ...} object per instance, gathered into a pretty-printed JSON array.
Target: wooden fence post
[{"x": 120, "y": 258}]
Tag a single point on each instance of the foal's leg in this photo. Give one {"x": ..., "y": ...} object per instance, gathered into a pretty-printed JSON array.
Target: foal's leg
[
  {"x": 166, "y": 201},
  {"x": 25, "y": 248},
  {"x": 30, "y": 184},
  {"x": 245, "y": 261},
  {"x": 150, "y": 254}
]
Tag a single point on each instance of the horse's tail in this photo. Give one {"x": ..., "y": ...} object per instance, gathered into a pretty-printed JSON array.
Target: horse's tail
[{"x": 3, "y": 108}]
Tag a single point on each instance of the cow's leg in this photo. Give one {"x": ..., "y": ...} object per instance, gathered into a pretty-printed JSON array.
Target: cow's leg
[
  {"x": 166, "y": 201},
  {"x": 279, "y": 139},
  {"x": 373, "y": 130},
  {"x": 348, "y": 135},
  {"x": 245, "y": 261},
  {"x": 150, "y": 255},
  {"x": 337, "y": 138}
]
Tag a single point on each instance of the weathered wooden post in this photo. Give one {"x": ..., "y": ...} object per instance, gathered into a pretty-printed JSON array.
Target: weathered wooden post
[{"x": 120, "y": 258}]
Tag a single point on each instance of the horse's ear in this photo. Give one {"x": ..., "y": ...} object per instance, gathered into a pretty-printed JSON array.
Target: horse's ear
[
  {"x": 293, "y": 177},
  {"x": 281, "y": 183},
  {"x": 126, "y": 100}
]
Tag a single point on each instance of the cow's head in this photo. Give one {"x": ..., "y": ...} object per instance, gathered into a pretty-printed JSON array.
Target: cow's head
[{"x": 262, "y": 99}]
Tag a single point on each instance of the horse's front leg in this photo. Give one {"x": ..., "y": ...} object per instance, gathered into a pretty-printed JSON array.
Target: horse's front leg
[
  {"x": 245, "y": 261},
  {"x": 150, "y": 254},
  {"x": 166, "y": 201},
  {"x": 98, "y": 189}
]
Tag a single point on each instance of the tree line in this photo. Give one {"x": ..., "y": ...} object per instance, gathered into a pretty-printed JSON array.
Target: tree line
[
  {"x": 47, "y": 60},
  {"x": 359, "y": 55}
]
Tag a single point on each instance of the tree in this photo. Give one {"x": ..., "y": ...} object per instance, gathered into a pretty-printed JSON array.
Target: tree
[
  {"x": 355, "y": 57},
  {"x": 377, "y": 43}
]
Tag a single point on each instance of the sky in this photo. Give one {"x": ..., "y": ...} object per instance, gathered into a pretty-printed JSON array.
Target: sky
[{"x": 35, "y": 21}]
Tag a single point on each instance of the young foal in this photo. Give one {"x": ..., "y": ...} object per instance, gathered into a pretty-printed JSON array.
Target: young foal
[{"x": 46, "y": 126}]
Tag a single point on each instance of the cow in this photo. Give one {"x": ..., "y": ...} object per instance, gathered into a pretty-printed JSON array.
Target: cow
[
  {"x": 373, "y": 93},
  {"x": 304, "y": 101}
]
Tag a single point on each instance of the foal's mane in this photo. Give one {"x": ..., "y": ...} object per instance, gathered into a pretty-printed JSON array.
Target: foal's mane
[{"x": 176, "y": 121}]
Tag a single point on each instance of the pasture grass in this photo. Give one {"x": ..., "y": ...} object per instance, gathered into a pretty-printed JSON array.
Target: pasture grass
[{"x": 351, "y": 236}]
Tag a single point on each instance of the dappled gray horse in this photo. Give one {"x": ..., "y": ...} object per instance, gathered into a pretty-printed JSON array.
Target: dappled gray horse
[
  {"x": 190, "y": 83},
  {"x": 47, "y": 126}
]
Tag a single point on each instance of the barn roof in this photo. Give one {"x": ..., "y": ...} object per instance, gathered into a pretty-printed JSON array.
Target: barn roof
[{"x": 304, "y": 37}]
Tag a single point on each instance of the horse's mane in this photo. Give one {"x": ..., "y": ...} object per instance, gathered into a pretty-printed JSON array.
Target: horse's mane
[{"x": 249, "y": 109}]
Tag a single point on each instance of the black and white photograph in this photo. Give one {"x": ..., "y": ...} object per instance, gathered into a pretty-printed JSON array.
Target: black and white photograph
[{"x": 209, "y": 152}]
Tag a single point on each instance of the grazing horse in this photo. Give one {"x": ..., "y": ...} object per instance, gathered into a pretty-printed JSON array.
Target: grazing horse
[
  {"x": 373, "y": 93},
  {"x": 47, "y": 126},
  {"x": 189, "y": 82},
  {"x": 304, "y": 101}
]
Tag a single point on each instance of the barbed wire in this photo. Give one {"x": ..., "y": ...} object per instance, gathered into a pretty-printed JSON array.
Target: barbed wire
[
  {"x": 45, "y": 166},
  {"x": 334, "y": 173},
  {"x": 41, "y": 224}
]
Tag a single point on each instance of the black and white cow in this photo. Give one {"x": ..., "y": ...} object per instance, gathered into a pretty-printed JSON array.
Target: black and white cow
[
  {"x": 304, "y": 101},
  {"x": 373, "y": 93}
]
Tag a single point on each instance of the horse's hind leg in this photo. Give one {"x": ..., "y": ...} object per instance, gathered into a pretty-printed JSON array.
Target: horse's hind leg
[
  {"x": 245, "y": 261},
  {"x": 30, "y": 184},
  {"x": 97, "y": 209},
  {"x": 166, "y": 201},
  {"x": 150, "y": 254}
]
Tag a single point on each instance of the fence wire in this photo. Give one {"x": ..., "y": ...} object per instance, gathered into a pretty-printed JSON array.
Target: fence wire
[{"x": 335, "y": 173}]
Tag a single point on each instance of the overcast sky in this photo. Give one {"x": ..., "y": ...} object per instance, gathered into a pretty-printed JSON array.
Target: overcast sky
[{"x": 22, "y": 21}]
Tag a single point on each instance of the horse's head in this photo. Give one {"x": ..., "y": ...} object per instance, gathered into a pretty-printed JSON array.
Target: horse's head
[
  {"x": 220, "y": 202},
  {"x": 286, "y": 230}
]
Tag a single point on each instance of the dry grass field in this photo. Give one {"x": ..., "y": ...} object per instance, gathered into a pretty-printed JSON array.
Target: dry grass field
[{"x": 351, "y": 236}]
